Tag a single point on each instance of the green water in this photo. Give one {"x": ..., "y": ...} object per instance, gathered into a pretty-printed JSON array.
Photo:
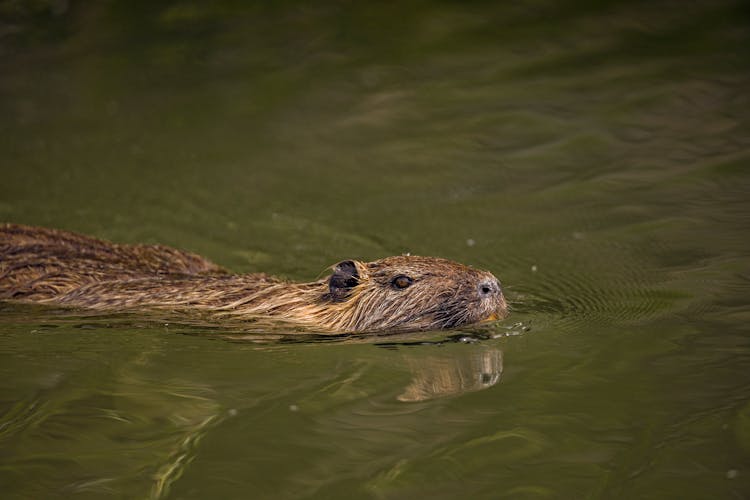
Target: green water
[{"x": 595, "y": 156}]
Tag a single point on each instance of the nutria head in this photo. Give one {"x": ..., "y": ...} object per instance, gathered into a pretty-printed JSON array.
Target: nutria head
[{"x": 409, "y": 293}]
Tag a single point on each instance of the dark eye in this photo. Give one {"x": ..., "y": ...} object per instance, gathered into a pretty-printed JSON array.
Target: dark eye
[{"x": 401, "y": 281}]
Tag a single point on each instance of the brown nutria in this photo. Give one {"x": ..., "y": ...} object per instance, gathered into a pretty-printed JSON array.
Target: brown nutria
[{"x": 402, "y": 293}]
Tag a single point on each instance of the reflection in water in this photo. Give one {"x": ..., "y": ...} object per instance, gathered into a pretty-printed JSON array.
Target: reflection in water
[
  {"x": 191, "y": 411},
  {"x": 136, "y": 433},
  {"x": 440, "y": 376},
  {"x": 183, "y": 452}
]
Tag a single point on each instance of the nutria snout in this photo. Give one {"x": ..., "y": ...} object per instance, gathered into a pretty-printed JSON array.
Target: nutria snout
[{"x": 401, "y": 293}]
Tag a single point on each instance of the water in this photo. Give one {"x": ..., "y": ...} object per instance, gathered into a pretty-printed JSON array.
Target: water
[{"x": 595, "y": 156}]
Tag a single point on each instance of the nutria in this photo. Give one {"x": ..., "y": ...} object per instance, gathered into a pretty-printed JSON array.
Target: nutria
[{"x": 402, "y": 293}]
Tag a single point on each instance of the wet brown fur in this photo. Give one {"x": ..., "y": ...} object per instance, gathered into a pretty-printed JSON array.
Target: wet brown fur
[{"x": 55, "y": 267}]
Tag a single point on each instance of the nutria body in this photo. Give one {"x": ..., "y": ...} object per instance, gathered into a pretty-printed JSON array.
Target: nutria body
[{"x": 402, "y": 293}]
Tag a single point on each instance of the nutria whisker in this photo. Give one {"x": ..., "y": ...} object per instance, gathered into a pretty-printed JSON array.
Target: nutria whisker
[{"x": 401, "y": 293}]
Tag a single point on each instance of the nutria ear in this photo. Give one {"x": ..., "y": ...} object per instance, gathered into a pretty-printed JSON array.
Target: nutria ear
[{"x": 345, "y": 277}]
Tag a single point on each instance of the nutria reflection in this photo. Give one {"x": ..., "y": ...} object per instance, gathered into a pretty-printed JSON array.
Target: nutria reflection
[
  {"x": 402, "y": 293},
  {"x": 439, "y": 376}
]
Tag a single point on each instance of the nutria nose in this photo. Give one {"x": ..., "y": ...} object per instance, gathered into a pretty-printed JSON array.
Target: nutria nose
[{"x": 489, "y": 288}]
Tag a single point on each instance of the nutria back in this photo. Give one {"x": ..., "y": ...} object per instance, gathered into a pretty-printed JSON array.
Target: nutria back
[{"x": 402, "y": 293}]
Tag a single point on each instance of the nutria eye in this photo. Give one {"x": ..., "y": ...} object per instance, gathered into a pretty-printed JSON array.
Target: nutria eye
[{"x": 402, "y": 281}]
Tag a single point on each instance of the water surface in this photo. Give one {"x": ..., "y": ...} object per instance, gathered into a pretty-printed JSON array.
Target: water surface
[{"x": 594, "y": 156}]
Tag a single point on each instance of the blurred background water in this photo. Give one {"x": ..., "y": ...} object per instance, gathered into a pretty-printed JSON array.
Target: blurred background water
[{"x": 594, "y": 155}]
